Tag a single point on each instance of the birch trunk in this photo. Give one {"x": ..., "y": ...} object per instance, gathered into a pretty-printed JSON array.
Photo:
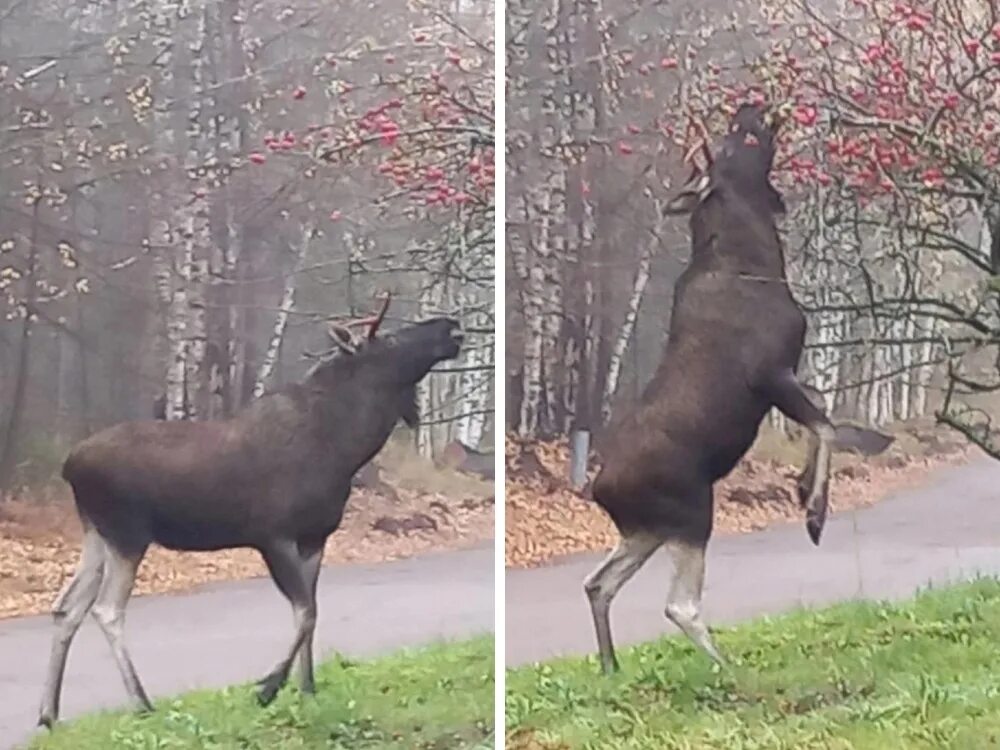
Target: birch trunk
[
  {"x": 281, "y": 319},
  {"x": 543, "y": 309},
  {"x": 426, "y": 389},
  {"x": 12, "y": 430},
  {"x": 625, "y": 333}
]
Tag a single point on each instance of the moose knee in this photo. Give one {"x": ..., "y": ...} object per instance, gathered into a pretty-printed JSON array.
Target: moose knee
[
  {"x": 681, "y": 613},
  {"x": 592, "y": 587},
  {"x": 307, "y": 617},
  {"x": 826, "y": 432},
  {"x": 108, "y": 616}
]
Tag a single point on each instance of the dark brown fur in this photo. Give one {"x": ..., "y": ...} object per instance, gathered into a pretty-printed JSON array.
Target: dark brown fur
[
  {"x": 736, "y": 337},
  {"x": 733, "y": 324},
  {"x": 275, "y": 478},
  {"x": 281, "y": 468}
]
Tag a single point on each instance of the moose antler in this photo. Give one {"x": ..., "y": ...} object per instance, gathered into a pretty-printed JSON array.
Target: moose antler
[
  {"x": 372, "y": 321},
  {"x": 700, "y": 144},
  {"x": 341, "y": 332}
]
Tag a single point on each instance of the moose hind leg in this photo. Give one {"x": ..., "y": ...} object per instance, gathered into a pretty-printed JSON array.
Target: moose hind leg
[
  {"x": 109, "y": 611},
  {"x": 603, "y": 584},
  {"x": 684, "y": 596},
  {"x": 72, "y": 605},
  {"x": 288, "y": 573}
]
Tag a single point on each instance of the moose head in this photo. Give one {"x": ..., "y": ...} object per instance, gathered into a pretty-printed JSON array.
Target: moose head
[{"x": 742, "y": 165}]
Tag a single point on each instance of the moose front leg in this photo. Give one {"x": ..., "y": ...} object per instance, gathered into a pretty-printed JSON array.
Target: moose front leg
[
  {"x": 798, "y": 402},
  {"x": 791, "y": 399},
  {"x": 290, "y": 575}
]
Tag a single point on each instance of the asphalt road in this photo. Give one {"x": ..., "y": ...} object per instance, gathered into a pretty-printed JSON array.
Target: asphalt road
[
  {"x": 947, "y": 530},
  {"x": 234, "y": 632}
]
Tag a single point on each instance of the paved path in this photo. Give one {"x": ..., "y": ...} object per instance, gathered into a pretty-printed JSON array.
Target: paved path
[
  {"x": 234, "y": 632},
  {"x": 949, "y": 529}
]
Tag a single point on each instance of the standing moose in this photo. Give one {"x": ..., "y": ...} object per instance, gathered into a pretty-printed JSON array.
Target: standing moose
[
  {"x": 275, "y": 478},
  {"x": 736, "y": 336}
]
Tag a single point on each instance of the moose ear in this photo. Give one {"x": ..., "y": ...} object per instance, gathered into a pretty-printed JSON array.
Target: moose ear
[
  {"x": 777, "y": 201},
  {"x": 686, "y": 201},
  {"x": 408, "y": 410},
  {"x": 342, "y": 338},
  {"x": 683, "y": 203}
]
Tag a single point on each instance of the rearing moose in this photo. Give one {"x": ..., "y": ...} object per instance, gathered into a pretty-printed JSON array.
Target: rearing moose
[{"x": 736, "y": 336}]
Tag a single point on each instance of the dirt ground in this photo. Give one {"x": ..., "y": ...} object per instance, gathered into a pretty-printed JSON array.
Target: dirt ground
[
  {"x": 40, "y": 536},
  {"x": 546, "y": 519}
]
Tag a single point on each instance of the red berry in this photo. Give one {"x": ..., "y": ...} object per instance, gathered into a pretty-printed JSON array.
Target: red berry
[
  {"x": 624, "y": 148},
  {"x": 299, "y": 92},
  {"x": 257, "y": 158},
  {"x": 805, "y": 115},
  {"x": 668, "y": 63}
]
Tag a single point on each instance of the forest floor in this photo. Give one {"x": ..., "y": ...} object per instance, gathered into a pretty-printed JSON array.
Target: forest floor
[
  {"x": 418, "y": 508},
  {"x": 546, "y": 519}
]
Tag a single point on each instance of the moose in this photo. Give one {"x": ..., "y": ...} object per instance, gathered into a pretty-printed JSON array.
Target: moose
[
  {"x": 735, "y": 339},
  {"x": 275, "y": 478}
]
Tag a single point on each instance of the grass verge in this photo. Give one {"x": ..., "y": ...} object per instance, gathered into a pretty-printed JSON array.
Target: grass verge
[
  {"x": 434, "y": 698},
  {"x": 920, "y": 674}
]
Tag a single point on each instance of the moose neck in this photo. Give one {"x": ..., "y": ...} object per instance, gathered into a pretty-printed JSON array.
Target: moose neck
[
  {"x": 737, "y": 234},
  {"x": 355, "y": 405}
]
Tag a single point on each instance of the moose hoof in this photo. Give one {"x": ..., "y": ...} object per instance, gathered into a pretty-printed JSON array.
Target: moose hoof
[
  {"x": 267, "y": 690},
  {"x": 814, "y": 526},
  {"x": 46, "y": 720}
]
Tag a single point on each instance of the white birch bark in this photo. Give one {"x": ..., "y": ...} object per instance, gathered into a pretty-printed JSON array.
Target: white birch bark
[
  {"x": 908, "y": 331},
  {"x": 266, "y": 368},
  {"x": 627, "y": 327},
  {"x": 427, "y": 388}
]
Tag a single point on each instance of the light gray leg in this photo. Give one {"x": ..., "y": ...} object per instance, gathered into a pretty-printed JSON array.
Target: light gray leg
[
  {"x": 109, "y": 611},
  {"x": 312, "y": 561},
  {"x": 684, "y": 597},
  {"x": 792, "y": 399},
  {"x": 824, "y": 439},
  {"x": 288, "y": 572},
  {"x": 71, "y": 606},
  {"x": 815, "y": 479},
  {"x": 604, "y": 583}
]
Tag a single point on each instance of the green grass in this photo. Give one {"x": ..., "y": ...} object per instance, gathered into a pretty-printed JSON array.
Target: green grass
[
  {"x": 921, "y": 674},
  {"x": 435, "y": 698}
]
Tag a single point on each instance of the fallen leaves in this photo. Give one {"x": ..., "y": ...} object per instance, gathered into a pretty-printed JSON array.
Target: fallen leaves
[
  {"x": 40, "y": 544},
  {"x": 545, "y": 519}
]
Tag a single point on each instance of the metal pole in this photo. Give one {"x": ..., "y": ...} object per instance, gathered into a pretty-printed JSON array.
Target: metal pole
[{"x": 579, "y": 451}]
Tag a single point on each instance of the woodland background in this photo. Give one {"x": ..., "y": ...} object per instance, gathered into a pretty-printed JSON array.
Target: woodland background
[
  {"x": 888, "y": 164},
  {"x": 190, "y": 188}
]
